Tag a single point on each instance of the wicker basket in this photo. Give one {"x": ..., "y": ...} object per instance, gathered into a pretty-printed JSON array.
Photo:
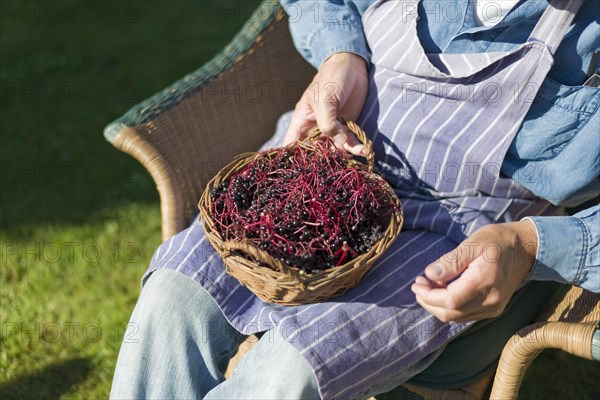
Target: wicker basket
[{"x": 282, "y": 284}]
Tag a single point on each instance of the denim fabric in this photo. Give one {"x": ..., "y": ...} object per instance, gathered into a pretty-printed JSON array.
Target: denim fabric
[
  {"x": 178, "y": 344},
  {"x": 578, "y": 260},
  {"x": 556, "y": 152}
]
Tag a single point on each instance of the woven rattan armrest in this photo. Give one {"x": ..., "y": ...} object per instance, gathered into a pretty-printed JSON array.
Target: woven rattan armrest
[
  {"x": 569, "y": 324},
  {"x": 184, "y": 134}
]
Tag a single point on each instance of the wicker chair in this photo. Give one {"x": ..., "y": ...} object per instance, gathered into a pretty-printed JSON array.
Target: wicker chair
[{"x": 184, "y": 134}]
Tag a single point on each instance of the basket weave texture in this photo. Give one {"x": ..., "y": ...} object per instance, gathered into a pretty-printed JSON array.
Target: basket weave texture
[{"x": 279, "y": 283}]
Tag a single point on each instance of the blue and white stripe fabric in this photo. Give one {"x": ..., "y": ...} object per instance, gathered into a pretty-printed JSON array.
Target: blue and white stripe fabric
[{"x": 441, "y": 125}]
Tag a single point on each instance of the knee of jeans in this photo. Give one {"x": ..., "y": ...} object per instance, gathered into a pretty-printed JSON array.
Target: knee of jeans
[
  {"x": 171, "y": 296},
  {"x": 286, "y": 358}
]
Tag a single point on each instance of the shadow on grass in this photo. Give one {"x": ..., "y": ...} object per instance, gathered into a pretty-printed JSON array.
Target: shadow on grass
[
  {"x": 68, "y": 77},
  {"x": 51, "y": 382}
]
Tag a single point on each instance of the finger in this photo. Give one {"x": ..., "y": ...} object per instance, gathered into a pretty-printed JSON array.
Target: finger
[
  {"x": 335, "y": 131},
  {"x": 357, "y": 149},
  {"x": 352, "y": 144},
  {"x": 430, "y": 284},
  {"x": 432, "y": 296},
  {"x": 464, "y": 295},
  {"x": 450, "y": 265},
  {"x": 475, "y": 294},
  {"x": 326, "y": 116},
  {"x": 299, "y": 129},
  {"x": 349, "y": 141},
  {"x": 292, "y": 135},
  {"x": 306, "y": 129},
  {"x": 446, "y": 315},
  {"x": 419, "y": 288},
  {"x": 452, "y": 298},
  {"x": 423, "y": 281},
  {"x": 303, "y": 119},
  {"x": 443, "y": 314}
]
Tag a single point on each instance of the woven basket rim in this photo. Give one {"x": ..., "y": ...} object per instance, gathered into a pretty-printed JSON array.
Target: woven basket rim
[{"x": 230, "y": 251}]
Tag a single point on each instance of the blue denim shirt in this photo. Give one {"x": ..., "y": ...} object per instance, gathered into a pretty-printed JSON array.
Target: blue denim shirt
[{"x": 555, "y": 154}]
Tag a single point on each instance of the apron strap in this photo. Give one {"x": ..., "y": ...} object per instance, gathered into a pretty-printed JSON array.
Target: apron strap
[{"x": 555, "y": 21}]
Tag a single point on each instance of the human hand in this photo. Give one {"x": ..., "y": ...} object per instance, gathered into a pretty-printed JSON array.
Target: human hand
[
  {"x": 491, "y": 263},
  {"x": 338, "y": 90}
]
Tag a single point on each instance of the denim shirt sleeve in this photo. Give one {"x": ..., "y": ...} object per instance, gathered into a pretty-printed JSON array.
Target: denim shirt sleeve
[
  {"x": 569, "y": 249},
  {"x": 321, "y": 28},
  {"x": 560, "y": 130}
]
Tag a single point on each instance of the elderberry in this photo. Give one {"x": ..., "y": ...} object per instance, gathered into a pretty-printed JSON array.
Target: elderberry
[{"x": 307, "y": 208}]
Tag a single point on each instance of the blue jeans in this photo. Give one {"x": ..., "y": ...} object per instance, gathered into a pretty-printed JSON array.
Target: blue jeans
[{"x": 178, "y": 344}]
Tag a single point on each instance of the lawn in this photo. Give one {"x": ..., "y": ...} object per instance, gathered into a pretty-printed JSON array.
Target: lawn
[{"x": 79, "y": 220}]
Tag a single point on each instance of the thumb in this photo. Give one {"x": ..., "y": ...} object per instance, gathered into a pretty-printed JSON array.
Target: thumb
[
  {"x": 447, "y": 267},
  {"x": 296, "y": 129}
]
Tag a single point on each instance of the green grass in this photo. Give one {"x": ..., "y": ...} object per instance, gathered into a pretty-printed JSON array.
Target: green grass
[{"x": 79, "y": 220}]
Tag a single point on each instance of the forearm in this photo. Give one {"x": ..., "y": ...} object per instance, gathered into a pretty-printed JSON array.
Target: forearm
[
  {"x": 569, "y": 249},
  {"x": 321, "y": 28}
]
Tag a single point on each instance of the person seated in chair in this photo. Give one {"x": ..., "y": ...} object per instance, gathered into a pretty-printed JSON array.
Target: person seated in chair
[{"x": 482, "y": 123}]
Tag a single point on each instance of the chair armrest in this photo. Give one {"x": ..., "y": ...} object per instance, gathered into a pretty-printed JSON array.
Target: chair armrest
[
  {"x": 184, "y": 134},
  {"x": 528, "y": 343},
  {"x": 570, "y": 324}
]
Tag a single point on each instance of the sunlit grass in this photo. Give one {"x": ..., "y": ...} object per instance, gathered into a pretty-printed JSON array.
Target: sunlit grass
[
  {"x": 67, "y": 295},
  {"x": 79, "y": 220}
]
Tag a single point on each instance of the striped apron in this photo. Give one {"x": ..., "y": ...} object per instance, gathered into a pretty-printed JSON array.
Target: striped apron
[{"x": 441, "y": 125}]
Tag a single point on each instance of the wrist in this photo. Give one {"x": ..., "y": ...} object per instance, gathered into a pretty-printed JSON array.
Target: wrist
[
  {"x": 527, "y": 239},
  {"x": 347, "y": 58}
]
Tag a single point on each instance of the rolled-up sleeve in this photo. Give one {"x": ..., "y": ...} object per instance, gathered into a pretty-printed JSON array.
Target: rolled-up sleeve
[
  {"x": 569, "y": 249},
  {"x": 321, "y": 28}
]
